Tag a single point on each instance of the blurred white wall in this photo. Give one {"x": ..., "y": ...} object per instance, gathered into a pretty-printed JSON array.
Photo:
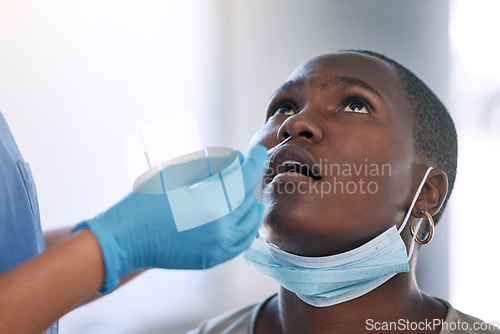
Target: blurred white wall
[
  {"x": 475, "y": 100},
  {"x": 78, "y": 77}
]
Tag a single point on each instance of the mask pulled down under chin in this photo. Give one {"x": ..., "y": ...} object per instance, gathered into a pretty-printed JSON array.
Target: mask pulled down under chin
[{"x": 330, "y": 280}]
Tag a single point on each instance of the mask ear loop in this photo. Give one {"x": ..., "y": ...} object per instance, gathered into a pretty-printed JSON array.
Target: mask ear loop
[{"x": 412, "y": 245}]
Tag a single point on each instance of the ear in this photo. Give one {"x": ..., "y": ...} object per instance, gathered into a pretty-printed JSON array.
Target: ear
[{"x": 433, "y": 194}]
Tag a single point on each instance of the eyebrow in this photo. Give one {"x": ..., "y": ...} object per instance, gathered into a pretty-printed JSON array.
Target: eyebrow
[{"x": 342, "y": 82}]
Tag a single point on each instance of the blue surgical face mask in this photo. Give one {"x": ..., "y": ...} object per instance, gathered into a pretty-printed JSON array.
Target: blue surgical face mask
[{"x": 330, "y": 280}]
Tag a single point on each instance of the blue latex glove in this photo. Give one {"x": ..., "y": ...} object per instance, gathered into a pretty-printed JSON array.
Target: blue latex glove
[{"x": 129, "y": 241}]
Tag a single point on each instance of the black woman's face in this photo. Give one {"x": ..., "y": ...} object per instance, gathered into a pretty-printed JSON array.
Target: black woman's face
[{"x": 347, "y": 173}]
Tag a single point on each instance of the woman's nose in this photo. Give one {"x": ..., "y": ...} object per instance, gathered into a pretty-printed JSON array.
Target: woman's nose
[{"x": 300, "y": 126}]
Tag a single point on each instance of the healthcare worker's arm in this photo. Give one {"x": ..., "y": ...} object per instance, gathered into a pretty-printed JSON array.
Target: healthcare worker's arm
[
  {"x": 138, "y": 232},
  {"x": 39, "y": 291},
  {"x": 57, "y": 236}
]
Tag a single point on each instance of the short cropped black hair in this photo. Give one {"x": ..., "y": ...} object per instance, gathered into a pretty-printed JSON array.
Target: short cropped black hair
[{"x": 433, "y": 128}]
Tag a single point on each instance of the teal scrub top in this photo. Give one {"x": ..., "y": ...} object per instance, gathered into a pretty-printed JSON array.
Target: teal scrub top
[{"x": 21, "y": 234}]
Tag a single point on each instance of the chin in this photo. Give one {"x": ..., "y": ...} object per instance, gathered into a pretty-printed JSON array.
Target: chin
[
  {"x": 305, "y": 225},
  {"x": 291, "y": 234},
  {"x": 288, "y": 220}
]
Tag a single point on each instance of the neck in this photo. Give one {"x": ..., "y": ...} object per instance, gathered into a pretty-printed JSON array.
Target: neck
[{"x": 398, "y": 298}]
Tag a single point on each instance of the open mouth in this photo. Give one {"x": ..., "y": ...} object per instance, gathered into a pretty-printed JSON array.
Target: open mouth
[
  {"x": 298, "y": 167},
  {"x": 292, "y": 159}
]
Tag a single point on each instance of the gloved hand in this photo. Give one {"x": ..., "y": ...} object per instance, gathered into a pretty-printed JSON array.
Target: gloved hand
[{"x": 140, "y": 232}]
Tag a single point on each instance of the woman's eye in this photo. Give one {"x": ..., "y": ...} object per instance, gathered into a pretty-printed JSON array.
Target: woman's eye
[
  {"x": 284, "y": 110},
  {"x": 356, "y": 107}
]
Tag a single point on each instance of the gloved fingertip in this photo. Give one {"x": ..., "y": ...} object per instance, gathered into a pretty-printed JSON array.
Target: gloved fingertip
[
  {"x": 259, "y": 214},
  {"x": 240, "y": 156},
  {"x": 258, "y": 153},
  {"x": 257, "y": 156},
  {"x": 260, "y": 207},
  {"x": 253, "y": 166}
]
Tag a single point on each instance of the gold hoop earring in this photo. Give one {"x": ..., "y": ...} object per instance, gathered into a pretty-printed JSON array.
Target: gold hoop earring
[{"x": 431, "y": 229}]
